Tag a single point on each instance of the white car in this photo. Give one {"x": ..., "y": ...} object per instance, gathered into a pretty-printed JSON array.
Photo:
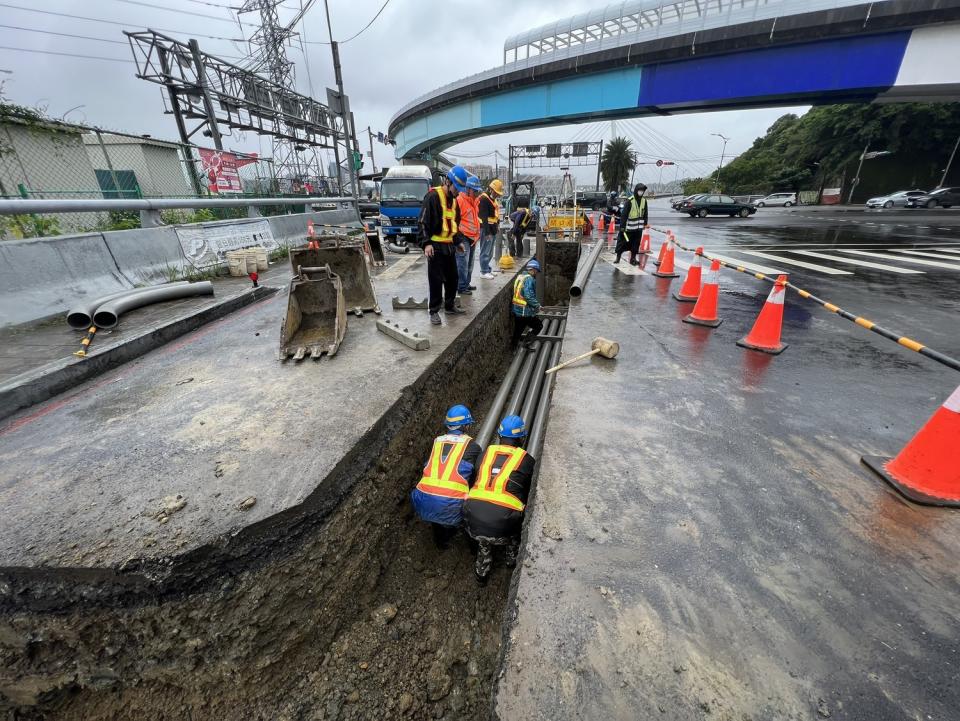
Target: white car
[
  {"x": 898, "y": 199},
  {"x": 784, "y": 199}
]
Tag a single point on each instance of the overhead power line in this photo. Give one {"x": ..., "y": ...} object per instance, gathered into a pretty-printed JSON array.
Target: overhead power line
[
  {"x": 64, "y": 35},
  {"x": 356, "y": 34},
  {"x": 115, "y": 22},
  {"x": 69, "y": 55},
  {"x": 213, "y": 5},
  {"x": 181, "y": 11}
]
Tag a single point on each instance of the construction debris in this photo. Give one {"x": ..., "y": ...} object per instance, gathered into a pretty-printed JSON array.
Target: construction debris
[{"x": 395, "y": 330}]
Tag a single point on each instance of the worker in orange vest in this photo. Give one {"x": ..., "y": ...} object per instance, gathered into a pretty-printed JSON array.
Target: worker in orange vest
[
  {"x": 470, "y": 228},
  {"x": 439, "y": 496},
  {"x": 493, "y": 511}
]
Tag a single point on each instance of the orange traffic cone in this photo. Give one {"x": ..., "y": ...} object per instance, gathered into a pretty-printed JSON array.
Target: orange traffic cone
[
  {"x": 765, "y": 335},
  {"x": 705, "y": 311},
  {"x": 602, "y": 227},
  {"x": 926, "y": 470},
  {"x": 666, "y": 269},
  {"x": 645, "y": 242},
  {"x": 690, "y": 290},
  {"x": 663, "y": 250}
]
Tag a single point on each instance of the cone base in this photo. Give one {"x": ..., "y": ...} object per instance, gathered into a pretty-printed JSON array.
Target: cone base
[
  {"x": 684, "y": 298},
  {"x": 656, "y": 262},
  {"x": 658, "y": 274},
  {"x": 777, "y": 350},
  {"x": 877, "y": 464},
  {"x": 706, "y": 323}
]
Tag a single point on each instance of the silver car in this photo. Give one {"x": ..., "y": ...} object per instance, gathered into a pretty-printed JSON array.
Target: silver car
[
  {"x": 898, "y": 199},
  {"x": 784, "y": 199}
]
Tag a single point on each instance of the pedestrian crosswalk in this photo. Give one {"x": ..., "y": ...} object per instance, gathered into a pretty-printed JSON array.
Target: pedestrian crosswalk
[{"x": 842, "y": 261}]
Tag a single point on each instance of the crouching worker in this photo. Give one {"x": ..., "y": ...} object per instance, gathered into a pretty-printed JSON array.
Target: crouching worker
[
  {"x": 493, "y": 513},
  {"x": 439, "y": 496}
]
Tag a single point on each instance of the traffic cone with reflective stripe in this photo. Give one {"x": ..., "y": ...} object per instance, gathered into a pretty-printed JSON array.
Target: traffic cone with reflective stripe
[
  {"x": 705, "y": 311},
  {"x": 690, "y": 290},
  {"x": 645, "y": 242},
  {"x": 611, "y": 227},
  {"x": 765, "y": 335},
  {"x": 602, "y": 225},
  {"x": 666, "y": 269},
  {"x": 927, "y": 469},
  {"x": 663, "y": 250}
]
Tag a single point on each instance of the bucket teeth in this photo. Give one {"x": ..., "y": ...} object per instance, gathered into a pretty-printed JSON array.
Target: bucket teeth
[{"x": 301, "y": 352}]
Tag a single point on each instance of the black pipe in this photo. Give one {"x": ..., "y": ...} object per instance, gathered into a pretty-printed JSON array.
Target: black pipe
[
  {"x": 493, "y": 415},
  {"x": 536, "y": 382},
  {"x": 535, "y": 439},
  {"x": 108, "y": 314},
  {"x": 80, "y": 316},
  {"x": 583, "y": 273},
  {"x": 523, "y": 381}
]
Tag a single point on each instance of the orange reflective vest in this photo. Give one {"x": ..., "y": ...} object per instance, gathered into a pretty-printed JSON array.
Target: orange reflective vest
[
  {"x": 495, "y": 469},
  {"x": 449, "y": 218},
  {"x": 495, "y": 218},
  {"x": 441, "y": 475},
  {"x": 469, "y": 222}
]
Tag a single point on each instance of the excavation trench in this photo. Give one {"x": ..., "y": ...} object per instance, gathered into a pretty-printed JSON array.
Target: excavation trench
[{"x": 340, "y": 608}]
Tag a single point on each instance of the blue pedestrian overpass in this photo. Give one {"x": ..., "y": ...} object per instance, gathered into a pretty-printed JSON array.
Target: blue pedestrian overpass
[{"x": 650, "y": 57}]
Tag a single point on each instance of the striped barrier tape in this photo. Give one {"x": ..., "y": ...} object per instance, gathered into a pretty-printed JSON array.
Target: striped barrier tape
[{"x": 859, "y": 320}]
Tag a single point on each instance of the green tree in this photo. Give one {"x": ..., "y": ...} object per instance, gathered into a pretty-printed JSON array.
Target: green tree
[
  {"x": 617, "y": 163},
  {"x": 692, "y": 186}
]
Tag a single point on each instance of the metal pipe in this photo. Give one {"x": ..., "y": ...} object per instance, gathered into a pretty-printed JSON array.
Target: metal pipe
[
  {"x": 536, "y": 381},
  {"x": 523, "y": 381},
  {"x": 80, "y": 316},
  {"x": 18, "y": 206},
  {"x": 583, "y": 274},
  {"x": 108, "y": 314},
  {"x": 493, "y": 415},
  {"x": 535, "y": 439}
]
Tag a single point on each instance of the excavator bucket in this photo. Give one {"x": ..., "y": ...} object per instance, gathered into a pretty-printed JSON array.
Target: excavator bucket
[
  {"x": 346, "y": 259},
  {"x": 316, "y": 318}
]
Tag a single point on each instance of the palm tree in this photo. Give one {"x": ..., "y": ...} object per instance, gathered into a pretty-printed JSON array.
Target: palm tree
[{"x": 617, "y": 163}]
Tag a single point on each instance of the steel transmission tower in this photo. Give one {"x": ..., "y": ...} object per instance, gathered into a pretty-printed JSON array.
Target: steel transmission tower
[{"x": 271, "y": 39}]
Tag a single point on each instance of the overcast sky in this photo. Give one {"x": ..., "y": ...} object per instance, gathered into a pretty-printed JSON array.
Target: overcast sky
[{"x": 408, "y": 51}]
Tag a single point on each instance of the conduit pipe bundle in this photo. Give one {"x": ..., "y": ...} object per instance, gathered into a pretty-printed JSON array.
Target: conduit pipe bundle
[
  {"x": 583, "y": 272},
  {"x": 85, "y": 314}
]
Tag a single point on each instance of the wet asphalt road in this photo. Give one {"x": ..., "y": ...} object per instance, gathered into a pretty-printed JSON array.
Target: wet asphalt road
[{"x": 704, "y": 543}]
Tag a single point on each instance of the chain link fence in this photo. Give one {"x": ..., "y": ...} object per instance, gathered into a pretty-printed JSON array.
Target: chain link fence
[{"x": 50, "y": 159}]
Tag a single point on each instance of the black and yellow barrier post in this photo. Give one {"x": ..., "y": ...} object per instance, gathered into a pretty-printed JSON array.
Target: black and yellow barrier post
[{"x": 91, "y": 332}]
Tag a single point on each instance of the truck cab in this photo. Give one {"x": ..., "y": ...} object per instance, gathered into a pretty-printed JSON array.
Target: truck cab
[{"x": 401, "y": 196}]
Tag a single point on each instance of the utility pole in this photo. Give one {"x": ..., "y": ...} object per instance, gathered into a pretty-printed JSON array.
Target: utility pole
[
  {"x": 856, "y": 178},
  {"x": 347, "y": 131},
  {"x": 723, "y": 152},
  {"x": 373, "y": 162},
  {"x": 946, "y": 170},
  {"x": 599, "y": 163}
]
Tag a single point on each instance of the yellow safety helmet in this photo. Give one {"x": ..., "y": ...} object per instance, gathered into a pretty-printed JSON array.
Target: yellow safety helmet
[
  {"x": 506, "y": 262},
  {"x": 496, "y": 185}
]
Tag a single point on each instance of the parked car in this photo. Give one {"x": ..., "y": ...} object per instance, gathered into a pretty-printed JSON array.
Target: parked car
[
  {"x": 680, "y": 201},
  {"x": 705, "y": 205},
  {"x": 784, "y": 199},
  {"x": 898, "y": 199},
  {"x": 944, "y": 197}
]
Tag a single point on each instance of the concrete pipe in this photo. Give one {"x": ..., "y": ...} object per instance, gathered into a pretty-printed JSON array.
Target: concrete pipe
[
  {"x": 80, "y": 316},
  {"x": 107, "y": 315},
  {"x": 583, "y": 273}
]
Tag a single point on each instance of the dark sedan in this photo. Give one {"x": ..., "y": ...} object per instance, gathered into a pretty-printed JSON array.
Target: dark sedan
[
  {"x": 941, "y": 197},
  {"x": 705, "y": 205}
]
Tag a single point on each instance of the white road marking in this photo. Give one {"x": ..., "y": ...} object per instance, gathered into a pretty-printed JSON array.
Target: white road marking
[
  {"x": 948, "y": 250},
  {"x": 800, "y": 263},
  {"x": 901, "y": 259},
  {"x": 749, "y": 266},
  {"x": 927, "y": 255},
  {"x": 863, "y": 263}
]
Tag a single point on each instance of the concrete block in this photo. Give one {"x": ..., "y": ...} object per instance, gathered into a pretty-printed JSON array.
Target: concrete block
[
  {"x": 146, "y": 256},
  {"x": 40, "y": 277},
  {"x": 409, "y": 303},
  {"x": 404, "y": 335}
]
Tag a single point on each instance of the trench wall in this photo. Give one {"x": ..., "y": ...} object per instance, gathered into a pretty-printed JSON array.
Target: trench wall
[
  {"x": 41, "y": 277},
  {"x": 214, "y": 632}
]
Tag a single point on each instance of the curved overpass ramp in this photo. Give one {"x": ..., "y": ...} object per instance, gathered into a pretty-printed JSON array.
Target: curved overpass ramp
[{"x": 657, "y": 58}]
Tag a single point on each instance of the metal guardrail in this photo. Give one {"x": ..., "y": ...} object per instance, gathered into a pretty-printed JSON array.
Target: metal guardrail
[{"x": 150, "y": 208}]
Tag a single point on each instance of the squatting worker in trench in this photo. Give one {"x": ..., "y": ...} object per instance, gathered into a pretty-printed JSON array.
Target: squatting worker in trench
[
  {"x": 470, "y": 230},
  {"x": 633, "y": 219},
  {"x": 447, "y": 475},
  {"x": 493, "y": 512},
  {"x": 438, "y": 236},
  {"x": 525, "y": 304},
  {"x": 489, "y": 211},
  {"x": 522, "y": 218}
]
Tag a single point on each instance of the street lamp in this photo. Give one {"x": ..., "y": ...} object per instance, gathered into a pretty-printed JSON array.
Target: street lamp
[
  {"x": 867, "y": 154},
  {"x": 716, "y": 182}
]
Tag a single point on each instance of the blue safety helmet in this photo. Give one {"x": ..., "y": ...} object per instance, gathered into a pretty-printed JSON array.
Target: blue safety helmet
[
  {"x": 458, "y": 415},
  {"x": 473, "y": 183},
  {"x": 458, "y": 176},
  {"x": 533, "y": 265},
  {"x": 512, "y": 427}
]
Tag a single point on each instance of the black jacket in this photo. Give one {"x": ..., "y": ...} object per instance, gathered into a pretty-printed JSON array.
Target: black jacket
[
  {"x": 431, "y": 216},
  {"x": 486, "y": 209},
  {"x": 492, "y": 521},
  {"x": 625, "y": 213}
]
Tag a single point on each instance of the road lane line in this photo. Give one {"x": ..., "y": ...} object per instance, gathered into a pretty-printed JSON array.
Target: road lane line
[
  {"x": 800, "y": 263},
  {"x": 949, "y": 250},
  {"x": 925, "y": 255},
  {"x": 902, "y": 259},
  {"x": 749, "y": 266},
  {"x": 863, "y": 263}
]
